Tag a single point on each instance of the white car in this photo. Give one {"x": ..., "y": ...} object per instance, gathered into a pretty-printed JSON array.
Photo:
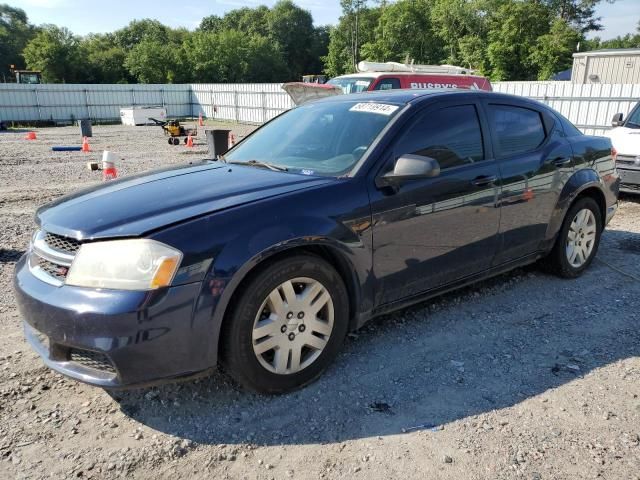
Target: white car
[{"x": 625, "y": 137}]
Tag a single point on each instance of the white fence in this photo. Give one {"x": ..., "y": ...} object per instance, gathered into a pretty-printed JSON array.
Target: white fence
[
  {"x": 247, "y": 103},
  {"x": 590, "y": 107},
  {"x": 251, "y": 103},
  {"x": 64, "y": 102}
]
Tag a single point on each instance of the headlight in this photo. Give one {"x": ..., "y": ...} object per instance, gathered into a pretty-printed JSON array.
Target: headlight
[{"x": 138, "y": 264}]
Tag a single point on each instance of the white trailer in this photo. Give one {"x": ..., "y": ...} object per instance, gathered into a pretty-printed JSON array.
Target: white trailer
[{"x": 134, "y": 116}]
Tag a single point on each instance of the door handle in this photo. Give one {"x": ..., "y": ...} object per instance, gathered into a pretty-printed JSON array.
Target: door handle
[
  {"x": 483, "y": 180},
  {"x": 562, "y": 161}
]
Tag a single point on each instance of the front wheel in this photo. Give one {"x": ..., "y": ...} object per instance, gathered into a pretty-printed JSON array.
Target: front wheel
[
  {"x": 577, "y": 241},
  {"x": 287, "y": 325}
]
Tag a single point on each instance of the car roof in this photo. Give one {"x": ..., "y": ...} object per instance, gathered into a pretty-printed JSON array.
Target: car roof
[
  {"x": 415, "y": 96},
  {"x": 402, "y": 96},
  {"x": 412, "y": 74},
  {"x": 392, "y": 96}
]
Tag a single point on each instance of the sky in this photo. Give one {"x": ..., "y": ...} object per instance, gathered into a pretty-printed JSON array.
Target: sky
[{"x": 86, "y": 16}]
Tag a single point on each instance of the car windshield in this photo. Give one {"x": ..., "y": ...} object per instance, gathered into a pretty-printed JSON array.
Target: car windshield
[
  {"x": 325, "y": 138},
  {"x": 634, "y": 119},
  {"x": 351, "y": 84}
]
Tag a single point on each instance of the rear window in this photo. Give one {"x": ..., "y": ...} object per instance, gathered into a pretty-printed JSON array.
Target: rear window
[
  {"x": 569, "y": 128},
  {"x": 517, "y": 129}
]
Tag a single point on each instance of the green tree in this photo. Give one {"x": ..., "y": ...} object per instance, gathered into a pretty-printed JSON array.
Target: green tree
[
  {"x": 579, "y": 14},
  {"x": 232, "y": 56},
  {"x": 341, "y": 57},
  {"x": 462, "y": 27},
  {"x": 513, "y": 33},
  {"x": 154, "y": 51},
  {"x": 139, "y": 30},
  {"x": 248, "y": 20},
  {"x": 405, "y": 32},
  {"x": 553, "y": 51},
  {"x": 292, "y": 28},
  {"x": 15, "y": 33},
  {"x": 319, "y": 49},
  {"x": 103, "y": 60},
  {"x": 151, "y": 61},
  {"x": 54, "y": 51},
  {"x": 472, "y": 53},
  {"x": 212, "y": 23},
  {"x": 353, "y": 11}
]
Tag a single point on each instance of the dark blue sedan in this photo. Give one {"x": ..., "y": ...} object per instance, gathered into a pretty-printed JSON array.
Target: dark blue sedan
[{"x": 335, "y": 212}]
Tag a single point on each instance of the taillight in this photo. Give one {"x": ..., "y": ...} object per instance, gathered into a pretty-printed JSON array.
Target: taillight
[{"x": 614, "y": 154}]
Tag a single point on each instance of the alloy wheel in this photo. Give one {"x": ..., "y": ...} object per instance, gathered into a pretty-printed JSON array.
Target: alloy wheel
[
  {"x": 581, "y": 238},
  {"x": 293, "y": 326}
]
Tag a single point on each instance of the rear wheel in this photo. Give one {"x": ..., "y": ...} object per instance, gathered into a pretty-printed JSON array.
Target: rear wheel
[
  {"x": 577, "y": 241},
  {"x": 287, "y": 326}
]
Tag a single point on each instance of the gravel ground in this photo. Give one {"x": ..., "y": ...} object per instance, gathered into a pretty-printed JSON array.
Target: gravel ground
[{"x": 525, "y": 376}]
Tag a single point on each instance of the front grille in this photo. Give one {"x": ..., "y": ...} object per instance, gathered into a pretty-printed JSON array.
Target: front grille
[
  {"x": 94, "y": 360},
  {"x": 64, "y": 244},
  {"x": 630, "y": 186},
  {"x": 58, "y": 272},
  {"x": 51, "y": 256}
]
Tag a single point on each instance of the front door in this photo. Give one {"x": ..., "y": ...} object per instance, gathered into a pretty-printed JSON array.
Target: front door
[{"x": 430, "y": 232}]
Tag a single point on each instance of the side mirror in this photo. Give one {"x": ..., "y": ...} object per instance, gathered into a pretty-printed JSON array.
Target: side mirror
[
  {"x": 409, "y": 167},
  {"x": 617, "y": 120}
]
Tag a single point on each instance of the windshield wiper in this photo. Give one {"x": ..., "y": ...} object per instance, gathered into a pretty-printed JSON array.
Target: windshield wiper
[{"x": 260, "y": 163}]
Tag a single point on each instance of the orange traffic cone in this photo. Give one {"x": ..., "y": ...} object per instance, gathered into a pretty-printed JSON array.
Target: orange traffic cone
[
  {"x": 109, "y": 171},
  {"x": 189, "y": 142},
  {"x": 200, "y": 122},
  {"x": 85, "y": 144},
  {"x": 30, "y": 136}
]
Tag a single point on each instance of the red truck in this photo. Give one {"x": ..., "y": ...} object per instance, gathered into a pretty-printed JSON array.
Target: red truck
[
  {"x": 388, "y": 76},
  {"x": 391, "y": 75}
]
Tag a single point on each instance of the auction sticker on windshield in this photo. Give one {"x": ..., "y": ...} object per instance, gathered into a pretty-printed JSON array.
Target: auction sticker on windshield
[{"x": 381, "y": 108}]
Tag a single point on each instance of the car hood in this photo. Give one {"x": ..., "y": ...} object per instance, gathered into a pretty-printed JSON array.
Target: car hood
[
  {"x": 302, "y": 93},
  {"x": 136, "y": 205},
  {"x": 625, "y": 140}
]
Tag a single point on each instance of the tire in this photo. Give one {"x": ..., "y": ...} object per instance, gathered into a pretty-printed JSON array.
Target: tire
[
  {"x": 559, "y": 261},
  {"x": 263, "y": 317},
  {"x": 176, "y": 141}
]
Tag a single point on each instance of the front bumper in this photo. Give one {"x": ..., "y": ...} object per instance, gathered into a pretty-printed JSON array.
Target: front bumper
[
  {"x": 629, "y": 178},
  {"x": 115, "y": 338}
]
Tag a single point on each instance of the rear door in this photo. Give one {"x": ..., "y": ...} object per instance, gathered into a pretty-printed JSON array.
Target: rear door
[
  {"x": 430, "y": 232},
  {"x": 535, "y": 160}
]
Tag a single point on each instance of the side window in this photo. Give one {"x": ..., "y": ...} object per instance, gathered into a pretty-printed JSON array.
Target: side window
[
  {"x": 451, "y": 135},
  {"x": 387, "y": 84},
  {"x": 517, "y": 129}
]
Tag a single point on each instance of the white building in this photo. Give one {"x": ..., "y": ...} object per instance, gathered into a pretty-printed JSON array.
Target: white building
[{"x": 620, "y": 65}]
